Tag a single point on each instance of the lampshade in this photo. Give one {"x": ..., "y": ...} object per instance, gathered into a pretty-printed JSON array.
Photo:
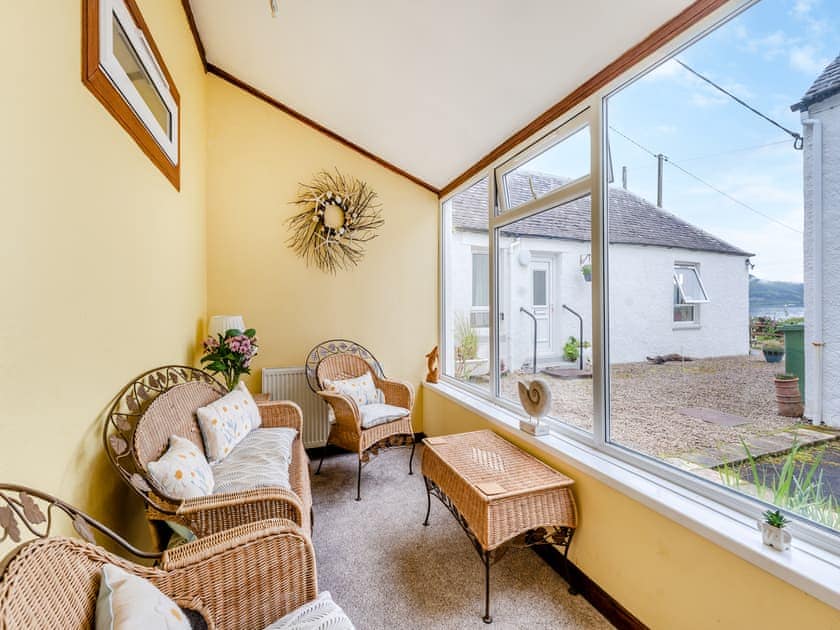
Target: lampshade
[{"x": 219, "y": 324}]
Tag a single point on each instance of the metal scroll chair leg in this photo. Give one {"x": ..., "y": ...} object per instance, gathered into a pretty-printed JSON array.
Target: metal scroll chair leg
[
  {"x": 359, "y": 481},
  {"x": 428, "y": 501},
  {"x": 411, "y": 459},
  {"x": 321, "y": 463},
  {"x": 572, "y": 589}
]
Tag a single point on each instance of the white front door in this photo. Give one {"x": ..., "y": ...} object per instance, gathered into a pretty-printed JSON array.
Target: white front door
[{"x": 542, "y": 303}]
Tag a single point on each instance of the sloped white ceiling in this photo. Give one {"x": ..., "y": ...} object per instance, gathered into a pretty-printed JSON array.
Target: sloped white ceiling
[{"x": 428, "y": 85}]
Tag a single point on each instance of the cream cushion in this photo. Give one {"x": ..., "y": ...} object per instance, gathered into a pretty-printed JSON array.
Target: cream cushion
[
  {"x": 182, "y": 472},
  {"x": 261, "y": 460},
  {"x": 378, "y": 413},
  {"x": 128, "y": 602},
  {"x": 225, "y": 422},
  {"x": 322, "y": 613},
  {"x": 362, "y": 389}
]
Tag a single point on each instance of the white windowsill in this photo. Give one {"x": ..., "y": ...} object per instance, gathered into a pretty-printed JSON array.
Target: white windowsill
[
  {"x": 688, "y": 326},
  {"x": 805, "y": 566}
]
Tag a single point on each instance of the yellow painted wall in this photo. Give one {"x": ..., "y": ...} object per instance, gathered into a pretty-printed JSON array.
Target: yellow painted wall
[
  {"x": 256, "y": 158},
  {"x": 666, "y": 575},
  {"x": 103, "y": 261}
]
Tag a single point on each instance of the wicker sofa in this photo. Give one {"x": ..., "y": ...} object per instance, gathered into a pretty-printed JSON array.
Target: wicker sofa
[
  {"x": 162, "y": 402},
  {"x": 246, "y": 577}
]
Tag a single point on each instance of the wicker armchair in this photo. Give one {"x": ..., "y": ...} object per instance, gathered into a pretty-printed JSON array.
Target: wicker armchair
[
  {"x": 339, "y": 359},
  {"x": 162, "y": 402},
  {"x": 246, "y": 577}
]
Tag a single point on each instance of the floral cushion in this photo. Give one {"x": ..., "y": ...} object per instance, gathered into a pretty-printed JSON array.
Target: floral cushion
[
  {"x": 225, "y": 422},
  {"x": 261, "y": 460},
  {"x": 182, "y": 472},
  {"x": 377, "y": 413},
  {"x": 362, "y": 389},
  {"x": 322, "y": 613},
  {"x": 128, "y": 602}
]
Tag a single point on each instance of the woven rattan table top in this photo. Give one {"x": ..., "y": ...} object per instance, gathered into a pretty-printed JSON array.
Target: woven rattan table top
[{"x": 494, "y": 466}]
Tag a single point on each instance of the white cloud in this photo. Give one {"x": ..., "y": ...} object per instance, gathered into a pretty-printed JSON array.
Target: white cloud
[
  {"x": 805, "y": 59},
  {"x": 802, "y": 8}
]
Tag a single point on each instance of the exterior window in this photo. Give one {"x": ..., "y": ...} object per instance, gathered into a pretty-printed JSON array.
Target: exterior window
[
  {"x": 124, "y": 69},
  {"x": 480, "y": 314},
  {"x": 688, "y": 293}
]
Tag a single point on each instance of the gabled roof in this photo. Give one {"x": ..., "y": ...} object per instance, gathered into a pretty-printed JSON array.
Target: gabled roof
[
  {"x": 633, "y": 220},
  {"x": 827, "y": 84}
]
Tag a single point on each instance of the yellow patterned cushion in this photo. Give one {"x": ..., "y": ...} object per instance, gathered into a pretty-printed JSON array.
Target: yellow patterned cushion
[
  {"x": 362, "y": 389},
  {"x": 225, "y": 422},
  {"x": 182, "y": 472},
  {"x": 128, "y": 602}
]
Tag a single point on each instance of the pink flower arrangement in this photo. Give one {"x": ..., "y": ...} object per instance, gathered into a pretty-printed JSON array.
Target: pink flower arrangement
[{"x": 230, "y": 354}]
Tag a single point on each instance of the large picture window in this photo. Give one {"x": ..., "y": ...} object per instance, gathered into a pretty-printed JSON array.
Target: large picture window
[
  {"x": 657, "y": 304},
  {"x": 124, "y": 69}
]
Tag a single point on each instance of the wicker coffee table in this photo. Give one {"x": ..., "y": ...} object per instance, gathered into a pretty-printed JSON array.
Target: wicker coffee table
[{"x": 501, "y": 496}]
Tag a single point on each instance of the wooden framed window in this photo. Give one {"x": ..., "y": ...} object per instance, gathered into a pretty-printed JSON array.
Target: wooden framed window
[{"x": 124, "y": 69}]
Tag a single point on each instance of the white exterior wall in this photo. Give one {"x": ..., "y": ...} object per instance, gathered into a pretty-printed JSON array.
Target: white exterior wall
[
  {"x": 641, "y": 300},
  {"x": 642, "y": 304},
  {"x": 828, "y": 113}
]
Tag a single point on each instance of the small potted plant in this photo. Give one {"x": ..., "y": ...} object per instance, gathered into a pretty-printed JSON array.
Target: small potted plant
[
  {"x": 230, "y": 354},
  {"x": 773, "y": 351},
  {"x": 772, "y": 529},
  {"x": 586, "y": 270},
  {"x": 788, "y": 397}
]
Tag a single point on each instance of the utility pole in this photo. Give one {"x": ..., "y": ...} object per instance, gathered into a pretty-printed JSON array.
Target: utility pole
[
  {"x": 624, "y": 177},
  {"x": 660, "y": 162}
]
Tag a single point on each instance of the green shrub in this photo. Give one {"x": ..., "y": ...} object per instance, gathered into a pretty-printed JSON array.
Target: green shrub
[
  {"x": 772, "y": 346},
  {"x": 571, "y": 349}
]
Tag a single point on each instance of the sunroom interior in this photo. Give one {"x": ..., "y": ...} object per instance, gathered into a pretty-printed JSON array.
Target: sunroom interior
[{"x": 588, "y": 195}]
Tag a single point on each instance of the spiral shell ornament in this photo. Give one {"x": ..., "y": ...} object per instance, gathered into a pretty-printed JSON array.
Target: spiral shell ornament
[{"x": 535, "y": 397}]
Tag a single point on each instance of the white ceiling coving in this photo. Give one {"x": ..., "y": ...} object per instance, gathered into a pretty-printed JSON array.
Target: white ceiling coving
[{"x": 430, "y": 86}]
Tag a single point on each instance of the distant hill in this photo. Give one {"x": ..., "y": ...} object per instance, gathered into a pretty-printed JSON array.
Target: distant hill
[{"x": 773, "y": 293}]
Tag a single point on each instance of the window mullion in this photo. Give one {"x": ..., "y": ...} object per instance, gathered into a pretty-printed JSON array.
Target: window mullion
[
  {"x": 600, "y": 350},
  {"x": 494, "y": 294}
]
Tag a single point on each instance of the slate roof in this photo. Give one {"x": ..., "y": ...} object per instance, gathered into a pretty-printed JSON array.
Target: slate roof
[
  {"x": 827, "y": 84},
  {"x": 633, "y": 220}
]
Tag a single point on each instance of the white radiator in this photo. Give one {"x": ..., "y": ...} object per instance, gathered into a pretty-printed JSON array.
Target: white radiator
[{"x": 290, "y": 384}]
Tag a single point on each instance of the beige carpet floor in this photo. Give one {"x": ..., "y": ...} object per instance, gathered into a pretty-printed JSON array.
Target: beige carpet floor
[{"x": 389, "y": 572}]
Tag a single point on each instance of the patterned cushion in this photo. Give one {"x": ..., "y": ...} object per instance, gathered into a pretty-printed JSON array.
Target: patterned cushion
[
  {"x": 261, "y": 460},
  {"x": 362, "y": 389},
  {"x": 128, "y": 602},
  {"x": 182, "y": 472},
  {"x": 375, "y": 414},
  {"x": 322, "y": 613},
  {"x": 225, "y": 422}
]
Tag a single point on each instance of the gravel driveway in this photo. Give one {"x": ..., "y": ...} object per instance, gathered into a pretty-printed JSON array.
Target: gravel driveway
[{"x": 646, "y": 399}]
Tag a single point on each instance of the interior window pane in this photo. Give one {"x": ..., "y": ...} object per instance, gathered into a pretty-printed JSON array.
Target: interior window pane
[
  {"x": 466, "y": 343},
  {"x": 555, "y": 167},
  {"x": 714, "y": 222},
  {"x": 130, "y": 62},
  {"x": 542, "y": 291}
]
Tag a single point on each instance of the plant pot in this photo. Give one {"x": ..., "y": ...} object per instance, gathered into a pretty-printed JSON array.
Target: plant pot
[
  {"x": 774, "y": 537},
  {"x": 773, "y": 356},
  {"x": 788, "y": 398},
  {"x": 587, "y": 275}
]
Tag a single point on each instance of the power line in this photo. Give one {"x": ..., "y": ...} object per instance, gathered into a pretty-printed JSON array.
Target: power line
[
  {"x": 797, "y": 139},
  {"x": 730, "y": 152},
  {"x": 707, "y": 184}
]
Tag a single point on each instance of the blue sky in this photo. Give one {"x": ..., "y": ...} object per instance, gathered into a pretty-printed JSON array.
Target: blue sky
[{"x": 768, "y": 55}]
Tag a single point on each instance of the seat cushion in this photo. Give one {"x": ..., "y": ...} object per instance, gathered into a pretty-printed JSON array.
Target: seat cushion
[
  {"x": 322, "y": 613},
  {"x": 362, "y": 389},
  {"x": 182, "y": 472},
  {"x": 261, "y": 460},
  {"x": 379, "y": 413}
]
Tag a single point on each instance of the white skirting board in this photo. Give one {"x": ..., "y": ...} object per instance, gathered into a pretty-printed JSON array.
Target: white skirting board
[{"x": 290, "y": 384}]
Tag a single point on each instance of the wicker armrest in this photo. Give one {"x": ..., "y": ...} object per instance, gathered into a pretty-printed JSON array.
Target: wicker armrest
[
  {"x": 248, "y": 576},
  {"x": 345, "y": 409},
  {"x": 397, "y": 393},
  {"x": 281, "y": 413},
  {"x": 218, "y": 512}
]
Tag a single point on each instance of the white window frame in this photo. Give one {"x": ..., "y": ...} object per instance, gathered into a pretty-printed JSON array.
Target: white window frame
[
  {"x": 694, "y": 322},
  {"x": 475, "y": 308},
  {"x": 108, "y": 9},
  {"x": 726, "y": 499}
]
